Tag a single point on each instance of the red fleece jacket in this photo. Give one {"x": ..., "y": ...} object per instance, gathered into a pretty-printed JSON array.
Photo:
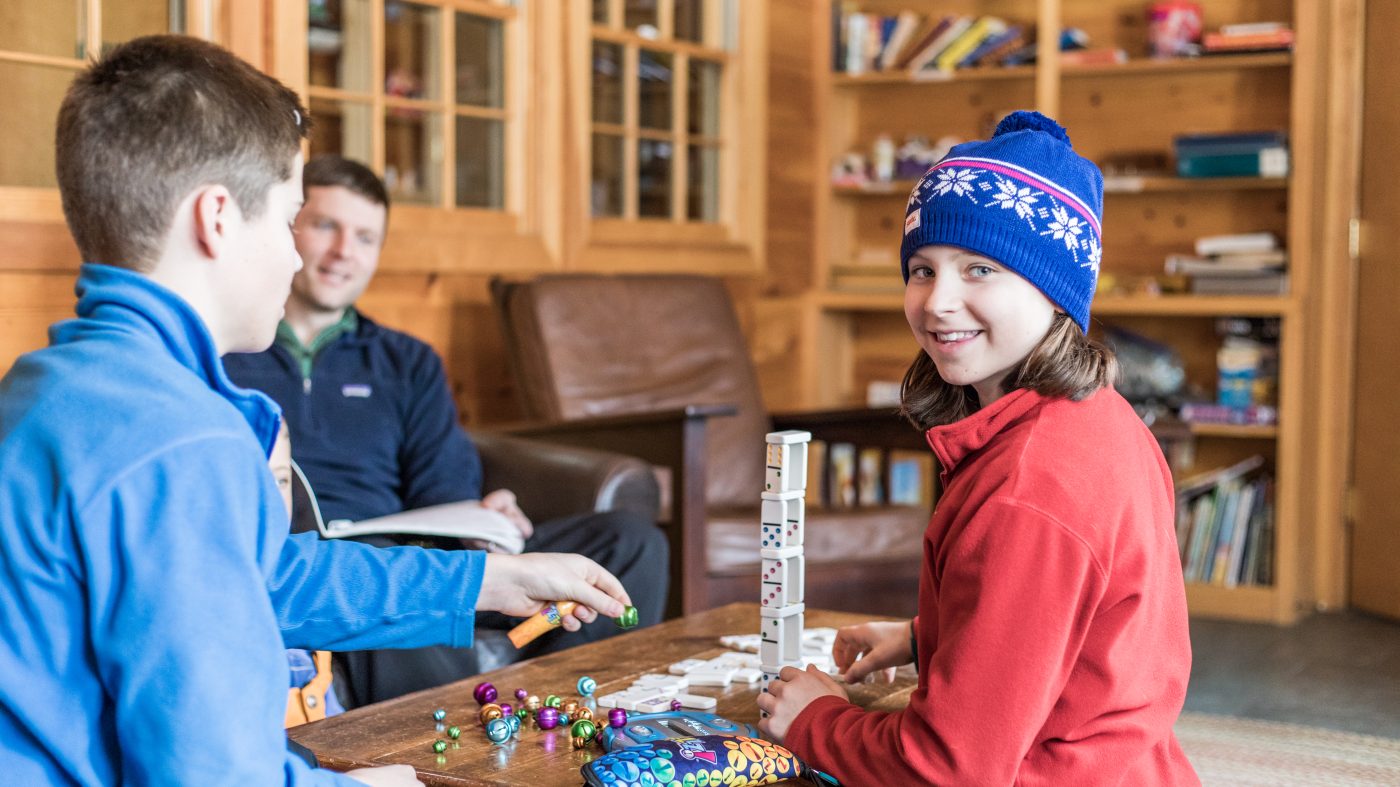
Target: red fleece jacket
[{"x": 1052, "y": 637}]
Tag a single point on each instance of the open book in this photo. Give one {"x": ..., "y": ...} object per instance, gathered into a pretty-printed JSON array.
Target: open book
[{"x": 467, "y": 519}]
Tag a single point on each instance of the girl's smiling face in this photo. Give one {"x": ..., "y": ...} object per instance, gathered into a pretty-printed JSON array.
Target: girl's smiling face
[{"x": 976, "y": 318}]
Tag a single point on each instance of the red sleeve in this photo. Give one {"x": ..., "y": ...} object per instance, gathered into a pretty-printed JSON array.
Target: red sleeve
[{"x": 1016, "y": 593}]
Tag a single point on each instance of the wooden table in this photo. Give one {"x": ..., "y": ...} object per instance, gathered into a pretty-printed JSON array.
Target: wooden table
[{"x": 403, "y": 730}]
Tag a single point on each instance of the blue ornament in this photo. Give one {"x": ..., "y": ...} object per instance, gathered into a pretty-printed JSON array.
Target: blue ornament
[
  {"x": 586, "y": 686},
  {"x": 439, "y": 714},
  {"x": 498, "y": 730}
]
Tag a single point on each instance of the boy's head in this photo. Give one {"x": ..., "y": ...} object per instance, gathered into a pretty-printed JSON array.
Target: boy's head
[
  {"x": 157, "y": 118},
  {"x": 280, "y": 463},
  {"x": 1023, "y": 198},
  {"x": 340, "y": 232}
]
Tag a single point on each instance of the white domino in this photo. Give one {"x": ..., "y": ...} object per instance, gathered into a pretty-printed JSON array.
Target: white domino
[
  {"x": 654, "y": 705},
  {"x": 711, "y": 678},
  {"x": 697, "y": 701},
  {"x": 786, "y": 464},
  {"x": 682, "y": 667},
  {"x": 749, "y": 675}
]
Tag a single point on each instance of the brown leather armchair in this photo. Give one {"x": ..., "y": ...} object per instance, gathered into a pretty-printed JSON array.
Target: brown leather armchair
[{"x": 656, "y": 366}]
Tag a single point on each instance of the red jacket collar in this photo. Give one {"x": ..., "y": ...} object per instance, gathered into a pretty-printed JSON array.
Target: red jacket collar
[{"x": 951, "y": 443}]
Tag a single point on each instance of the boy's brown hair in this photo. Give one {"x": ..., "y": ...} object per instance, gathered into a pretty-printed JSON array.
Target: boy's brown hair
[
  {"x": 1065, "y": 363},
  {"x": 155, "y": 119}
]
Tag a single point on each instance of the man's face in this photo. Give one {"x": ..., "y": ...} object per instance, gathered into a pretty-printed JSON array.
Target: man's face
[
  {"x": 339, "y": 234},
  {"x": 265, "y": 260}
]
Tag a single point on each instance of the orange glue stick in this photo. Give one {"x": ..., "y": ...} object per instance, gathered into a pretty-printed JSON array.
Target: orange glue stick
[{"x": 552, "y": 616}]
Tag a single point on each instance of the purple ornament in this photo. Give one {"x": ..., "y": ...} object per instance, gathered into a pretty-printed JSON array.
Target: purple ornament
[
  {"x": 506, "y": 709},
  {"x": 675, "y": 704},
  {"x": 548, "y": 718},
  {"x": 617, "y": 718},
  {"x": 484, "y": 693},
  {"x": 521, "y": 694}
]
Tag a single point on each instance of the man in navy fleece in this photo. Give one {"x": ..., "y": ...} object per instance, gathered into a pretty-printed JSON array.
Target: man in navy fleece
[
  {"x": 375, "y": 430},
  {"x": 147, "y": 581}
]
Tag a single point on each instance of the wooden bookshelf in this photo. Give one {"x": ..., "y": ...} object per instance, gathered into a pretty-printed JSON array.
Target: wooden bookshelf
[{"x": 1113, "y": 112}]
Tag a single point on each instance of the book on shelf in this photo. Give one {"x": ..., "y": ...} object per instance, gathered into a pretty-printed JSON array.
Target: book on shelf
[
  {"x": 985, "y": 52},
  {"x": 1242, "y": 283},
  {"x": 1212, "y": 413},
  {"x": 911, "y": 478},
  {"x": 964, "y": 44},
  {"x": 843, "y": 475},
  {"x": 1237, "y": 243},
  {"x": 954, "y": 28},
  {"x": 1276, "y": 40},
  {"x": 816, "y": 474},
  {"x": 870, "y": 489},
  {"x": 905, "y": 26},
  {"x": 1245, "y": 154},
  {"x": 1224, "y": 521},
  {"x": 1225, "y": 264},
  {"x": 921, "y": 42}
]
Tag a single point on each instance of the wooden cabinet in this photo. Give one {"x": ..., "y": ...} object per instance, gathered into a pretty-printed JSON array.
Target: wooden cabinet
[{"x": 1123, "y": 111}]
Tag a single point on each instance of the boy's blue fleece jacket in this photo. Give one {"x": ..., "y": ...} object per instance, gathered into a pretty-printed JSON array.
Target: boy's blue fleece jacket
[{"x": 148, "y": 586}]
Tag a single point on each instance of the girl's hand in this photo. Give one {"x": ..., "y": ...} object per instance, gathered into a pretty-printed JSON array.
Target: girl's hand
[
  {"x": 520, "y": 585},
  {"x": 868, "y": 647},
  {"x": 792, "y": 691}
]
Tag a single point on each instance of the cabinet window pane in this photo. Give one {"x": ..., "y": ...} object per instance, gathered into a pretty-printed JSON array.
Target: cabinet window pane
[
  {"x": 702, "y": 190},
  {"x": 653, "y": 178},
  {"x": 27, "y": 136},
  {"x": 41, "y": 28},
  {"x": 655, "y": 76},
  {"x": 690, "y": 20},
  {"x": 607, "y": 83},
  {"x": 600, "y": 11},
  {"x": 605, "y": 190},
  {"x": 480, "y": 163},
  {"x": 413, "y": 155},
  {"x": 480, "y": 61},
  {"x": 337, "y": 38},
  {"x": 641, "y": 15},
  {"x": 411, "y": 53},
  {"x": 703, "y": 98},
  {"x": 340, "y": 127},
  {"x": 123, "y": 20}
]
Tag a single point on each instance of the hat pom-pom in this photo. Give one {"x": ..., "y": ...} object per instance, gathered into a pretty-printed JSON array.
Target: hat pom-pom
[{"x": 1026, "y": 120}]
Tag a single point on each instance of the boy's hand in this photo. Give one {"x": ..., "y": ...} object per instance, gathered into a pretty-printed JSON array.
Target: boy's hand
[
  {"x": 503, "y": 501},
  {"x": 520, "y": 585},
  {"x": 865, "y": 648},
  {"x": 386, "y": 776},
  {"x": 793, "y": 690}
]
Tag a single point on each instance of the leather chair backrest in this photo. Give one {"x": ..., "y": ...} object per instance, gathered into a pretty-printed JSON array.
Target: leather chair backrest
[{"x": 591, "y": 345}]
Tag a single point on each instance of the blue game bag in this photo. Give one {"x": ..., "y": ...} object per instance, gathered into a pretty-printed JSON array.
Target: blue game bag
[{"x": 729, "y": 760}]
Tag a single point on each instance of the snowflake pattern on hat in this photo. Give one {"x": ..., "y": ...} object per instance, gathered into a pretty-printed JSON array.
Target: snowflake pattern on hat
[{"x": 1048, "y": 218}]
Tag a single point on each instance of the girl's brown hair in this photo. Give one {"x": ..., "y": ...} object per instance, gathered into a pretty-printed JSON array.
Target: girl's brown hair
[{"x": 1065, "y": 363}]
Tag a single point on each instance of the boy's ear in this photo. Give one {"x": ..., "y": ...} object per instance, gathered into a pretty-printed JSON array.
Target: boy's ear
[{"x": 214, "y": 210}]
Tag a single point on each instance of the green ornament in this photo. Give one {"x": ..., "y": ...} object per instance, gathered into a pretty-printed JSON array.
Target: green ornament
[
  {"x": 439, "y": 746},
  {"x": 583, "y": 728},
  {"x": 629, "y": 619},
  {"x": 454, "y": 732},
  {"x": 553, "y": 701}
]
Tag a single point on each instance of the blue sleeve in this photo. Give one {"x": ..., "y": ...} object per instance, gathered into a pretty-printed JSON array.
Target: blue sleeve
[
  {"x": 185, "y": 640},
  {"x": 439, "y": 462},
  {"x": 344, "y": 595}
]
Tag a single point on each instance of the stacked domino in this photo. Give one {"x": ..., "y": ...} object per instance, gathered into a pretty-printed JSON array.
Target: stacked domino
[{"x": 782, "y": 521}]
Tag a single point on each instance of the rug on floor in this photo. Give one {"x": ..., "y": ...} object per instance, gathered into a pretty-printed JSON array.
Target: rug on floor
[{"x": 1233, "y": 752}]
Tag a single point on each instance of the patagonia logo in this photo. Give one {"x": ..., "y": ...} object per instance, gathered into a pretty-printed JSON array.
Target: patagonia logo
[
  {"x": 356, "y": 391},
  {"x": 911, "y": 222}
]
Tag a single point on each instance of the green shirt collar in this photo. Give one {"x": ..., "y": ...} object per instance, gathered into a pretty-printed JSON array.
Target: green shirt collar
[{"x": 305, "y": 355}]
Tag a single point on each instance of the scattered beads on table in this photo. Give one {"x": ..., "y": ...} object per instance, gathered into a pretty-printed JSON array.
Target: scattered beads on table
[{"x": 484, "y": 693}]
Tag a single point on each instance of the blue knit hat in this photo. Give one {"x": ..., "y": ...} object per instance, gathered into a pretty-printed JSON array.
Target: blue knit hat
[{"x": 1023, "y": 198}]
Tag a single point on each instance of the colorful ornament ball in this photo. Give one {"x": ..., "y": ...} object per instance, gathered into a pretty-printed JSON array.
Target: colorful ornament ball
[
  {"x": 484, "y": 693},
  {"x": 587, "y": 685},
  {"x": 617, "y": 718},
  {"x": 675, "y": 704},
  {"x": 454, "y": 732},
  {"x": 439, "y": 714},
  {"x": 439, "y": 746},
  {"x": 547, "y": 718},
  {"x": 521, "y": 694},
  {"x": 498, "y": 731},
  {"x": 629, "y": 618}
]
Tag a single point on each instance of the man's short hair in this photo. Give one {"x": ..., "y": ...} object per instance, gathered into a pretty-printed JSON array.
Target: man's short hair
[
  {"x": 155, "y": 119},
  {"x": 334, "y": 170}
]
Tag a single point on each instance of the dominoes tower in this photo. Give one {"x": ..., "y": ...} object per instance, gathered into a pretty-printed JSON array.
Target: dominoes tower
[{"x": 782, "y": 522}]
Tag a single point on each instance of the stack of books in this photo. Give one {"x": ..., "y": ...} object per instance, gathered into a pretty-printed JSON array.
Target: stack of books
[
  {"x": 1225, "y": 525},
  {"x": 1252, "y": 37},
  {"x": 1261, "y": 154},
  {"x": 1244, "y": 264},
  {"x": 927, "y": 47}
]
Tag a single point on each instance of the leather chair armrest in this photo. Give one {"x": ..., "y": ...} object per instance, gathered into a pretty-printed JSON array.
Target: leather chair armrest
[{"x": 551, "y": 480}]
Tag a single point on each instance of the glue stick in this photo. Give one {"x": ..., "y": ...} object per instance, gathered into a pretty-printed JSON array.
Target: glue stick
[{"x": 552, "y": 616}]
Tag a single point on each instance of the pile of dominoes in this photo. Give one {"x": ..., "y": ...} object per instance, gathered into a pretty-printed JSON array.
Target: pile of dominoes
[{"x": 782, "y": 518}]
